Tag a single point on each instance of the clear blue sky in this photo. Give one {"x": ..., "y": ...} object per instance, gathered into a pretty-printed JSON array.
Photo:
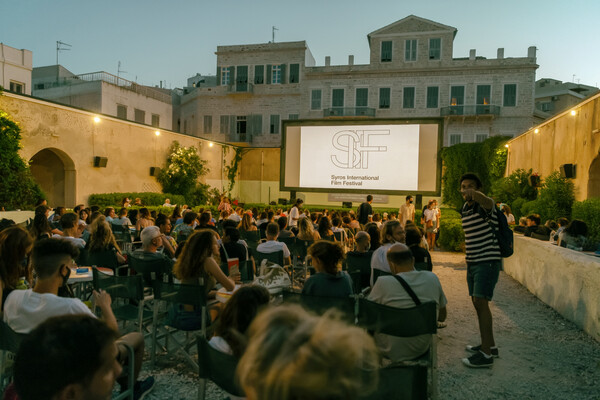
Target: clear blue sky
[{"x": 172, "y": 40}]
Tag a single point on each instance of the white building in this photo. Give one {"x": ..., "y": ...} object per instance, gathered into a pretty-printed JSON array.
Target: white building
[{"x": 15, "y": 69}]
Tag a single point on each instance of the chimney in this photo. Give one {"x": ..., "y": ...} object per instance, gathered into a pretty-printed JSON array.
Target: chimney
[
  {"x": 500, "y": 53},
  {"x": 351, "y": 60},
  {"x": 531, "y": 51},
  {"x": 472, "y": 54},
  {"x": 327, "y": 61}
]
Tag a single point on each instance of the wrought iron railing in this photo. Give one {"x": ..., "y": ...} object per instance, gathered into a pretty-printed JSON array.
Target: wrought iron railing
[
  {"x": 480, "y": 109},
  {"x": 348, "y": 112}
]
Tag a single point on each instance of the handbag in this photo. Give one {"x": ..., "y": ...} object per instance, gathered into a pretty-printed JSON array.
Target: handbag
[{"x": 273, "y": 277}]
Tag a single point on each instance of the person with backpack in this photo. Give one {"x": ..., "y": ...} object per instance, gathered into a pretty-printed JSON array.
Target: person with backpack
[{"x": 486, "y": 242}]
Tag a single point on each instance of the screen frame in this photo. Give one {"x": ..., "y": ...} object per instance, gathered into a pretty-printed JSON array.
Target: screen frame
[{"x": 374, "y": 121}]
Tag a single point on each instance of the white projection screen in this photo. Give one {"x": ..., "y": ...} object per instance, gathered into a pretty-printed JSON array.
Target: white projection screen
[{"x": 375, "y": 156}]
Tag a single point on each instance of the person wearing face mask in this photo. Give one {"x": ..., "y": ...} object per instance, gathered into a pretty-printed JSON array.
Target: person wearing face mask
[
  {"x": 407, "y": 211},
  {"x": 24, "y": 310}
]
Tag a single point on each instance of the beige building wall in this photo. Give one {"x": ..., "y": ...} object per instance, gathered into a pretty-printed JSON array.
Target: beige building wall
[
  {"x": 15, "y": 66},
  {"x": 564, "y": 139}
]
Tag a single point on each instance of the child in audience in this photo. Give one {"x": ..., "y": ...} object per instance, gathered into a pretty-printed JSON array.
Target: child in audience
[{"x": 328, "y": 281}]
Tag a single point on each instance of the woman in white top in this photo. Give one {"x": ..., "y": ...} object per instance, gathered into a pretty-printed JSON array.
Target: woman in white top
[{"x": 509, "y": 217}]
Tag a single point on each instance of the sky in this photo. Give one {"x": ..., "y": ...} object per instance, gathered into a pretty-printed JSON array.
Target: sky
[{"x": 170, "y": 41}]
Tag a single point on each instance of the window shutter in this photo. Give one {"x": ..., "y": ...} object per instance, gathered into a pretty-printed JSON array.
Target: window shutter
[
  {"x": 259, "y": 74},
  {"x": 218, "y": 76},
  {"x": 283, "y": 80},
  {"x": 231, "y": 75},
  {"x": 269, "y": 74},
  {"x": 232, "y": 126}
]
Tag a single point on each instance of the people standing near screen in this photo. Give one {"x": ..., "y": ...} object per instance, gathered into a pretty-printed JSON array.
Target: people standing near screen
[
  {"x": 295, "y": 216},
  {"x": 364, "y": 210},
  {"x": 407, "y": 211}
]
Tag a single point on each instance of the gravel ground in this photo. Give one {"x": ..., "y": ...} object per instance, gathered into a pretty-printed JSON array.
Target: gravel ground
[{"x": 542, "y": 355}]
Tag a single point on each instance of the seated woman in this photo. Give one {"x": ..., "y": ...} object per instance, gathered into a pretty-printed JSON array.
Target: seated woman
[
  {"x": 421, "y": 255},
  {"x": 293, "y": 355},
  {"x": 45, "y": 211},
  {"x": 40, "y": 228},
  {"x": 196, "y": 265},
  {"x": 574, "y": 236},
  {"x": 329, "y": 281},
  {"x": 102, "y": 239},
  {"x": 510, "y": 218},
  {"x": 122, "y": 218},
  {"x": 246, "y": 223},
  {"x": 144, "y": 219},
  {"x": 373, "y": 231},
  {"x": 306, "y": 231},
  {"x": 15, "y": 247}
]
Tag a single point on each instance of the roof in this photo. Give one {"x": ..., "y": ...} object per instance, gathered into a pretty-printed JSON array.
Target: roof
[{"x": 411, "y": 24}]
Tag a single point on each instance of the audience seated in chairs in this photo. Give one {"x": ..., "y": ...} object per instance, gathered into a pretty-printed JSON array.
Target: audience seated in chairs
[
  {"x": 421, "y": 255},
  {"x": 152, "y": 239},
  {"x": 522, "y": 227},
  {"x": 168, "y": 243},
  {"x": 272, "y": 245},
  {"x": 391, "y": 233},
  {"x": 102, "y": 239},
  {"x": 325, "y": 229},
  {"x": 374, "y": 234},
  {"x": 24, "y": 310},
  {"x": 40, "y": 228},
  {"x": 296, "y": 355},
  {"x": 71, "y": 230},
  {"x": 232, "y": 247},
  {"x": 574, "y": 236},
  {"x": 15, "y": 272},
  {"x": 389, "y": 291},
  {"x": 205, "y": 222},
  {"x": 144, "y": 220},
  {"x": 122, "y": 218},
  {"x": 562, "y": 224},
  {"x": 187, "y": 226},
  {"x": 329, "y": 281},
  {"x": 246, "y": 224},
  {"x": 306, "y": 230},
  {"x": 283, "y": 232},
  {"x": 533, "y": 223},
  {"x": 362, "y": 241}
]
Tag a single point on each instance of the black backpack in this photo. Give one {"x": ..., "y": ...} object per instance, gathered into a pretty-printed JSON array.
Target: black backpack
[{"x": 504, "y": 235}]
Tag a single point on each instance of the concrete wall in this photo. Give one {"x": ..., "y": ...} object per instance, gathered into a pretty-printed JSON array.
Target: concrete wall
[
  {"x": 566, "y": 280},
  {"x": 564, "y": 139},
  {"x": 16, "y": 66}
]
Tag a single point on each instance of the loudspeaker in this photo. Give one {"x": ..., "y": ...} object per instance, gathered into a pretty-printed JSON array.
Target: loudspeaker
[
  {"x": 568, "y": 170},
  {"x": 282, "y": 201},
  {"x": 154, "y": 171},
  {"x": 100, "y": 162},
  {"x": 347, "y": 204}
]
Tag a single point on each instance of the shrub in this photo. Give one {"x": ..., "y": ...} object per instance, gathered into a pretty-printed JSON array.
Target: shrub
[
  {"x": 589, "y": 212},
  {"x": 148, "y": 199},
  {"x": 452, "y": 236},
  {"x": 182, "y": 170},
  {"x": 556, "y": 197},
  {"x": 18, "y": 189},
  {"x": 512, "y": 188}
]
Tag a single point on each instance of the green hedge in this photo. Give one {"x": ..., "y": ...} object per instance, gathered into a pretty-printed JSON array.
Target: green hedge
[
  {"x": 148, "y": 199},
  {"x": 589, "y": 212},
  {"x": 452, "y": 236}
]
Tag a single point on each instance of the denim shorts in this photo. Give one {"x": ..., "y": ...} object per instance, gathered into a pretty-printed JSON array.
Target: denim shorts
[{"x": 482, "y": 278}]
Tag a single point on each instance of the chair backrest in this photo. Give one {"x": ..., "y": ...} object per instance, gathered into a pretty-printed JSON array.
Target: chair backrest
[
  {"x": 302, "y": 247},
  {"x": 124, "y": 287},
  {"x": 194, "y": 295},
  {"x": 103, "y": 258},
  {"x": 339, "y": 236},
  {"x": 422, "y": 266},
  {"x": 329, "y": 238},
  {"x": 290, "y": 242},
  {"x": 321, "y": 304},
  {"x": 359, "y": 268},
  {"x": 149, "y": 268},
  {"x": 401, "y": 322},
  {"x": 539, "y": 236},
  {"x": 251, "y": 237},
  {"x": 121, "y": 232},
  {"x": 377, "y": 273},
  {"x": 275, "y": 257},
  {"x": 9, "y": 339},
  {"x": 82, "y": 258},
  {"x": 219, "y": 367}
]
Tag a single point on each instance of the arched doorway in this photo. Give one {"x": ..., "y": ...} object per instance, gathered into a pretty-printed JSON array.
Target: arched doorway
[
  {"x": 54, "y": 171},
  {"x": 593, "y": 188}
]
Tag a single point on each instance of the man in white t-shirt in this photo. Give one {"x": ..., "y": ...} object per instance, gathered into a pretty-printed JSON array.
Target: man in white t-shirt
[
  {"x": 295, "y": 216},
  {"x": 24, "y": 310},
  {"x": 392, "y": 232},
  {"x": 272, "y": 245},
  {"x": 389, "y": 291},
  {"x": 407, "y": 211}
]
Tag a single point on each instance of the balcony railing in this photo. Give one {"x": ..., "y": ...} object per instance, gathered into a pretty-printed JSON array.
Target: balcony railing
[
  {"x": 240, "y": 137},
  {"x": 348, "y": 112},
  {"x": 470, "y": 110},
  {"x": 240, "y": 87}
]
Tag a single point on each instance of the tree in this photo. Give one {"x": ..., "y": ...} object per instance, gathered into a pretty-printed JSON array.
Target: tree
[
  {"x": 182, "y": 170},
  {"x": 18, "y": 189}
]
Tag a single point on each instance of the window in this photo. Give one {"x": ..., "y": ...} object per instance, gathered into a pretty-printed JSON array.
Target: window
[
  {"x": 384, "y": 97},
  {"x": 276, "y": 74},
  {"x": 483, "y": 94},
  {"x": 208, "y": 124},
  {"x": 38, "y": 86},
  {"x": 410, "y": 50},
  {"x": 224, "y": 124},
  {"x": 155, "y": 120},
  {"x": 386, "y": 51},
  {"x": 17, "y": 87},
  {"x": 294, "y": 73},
  {"x": 362, "y": 97},
  {"x": 240, "y": 128},
  {"x": 293, "y": 116},
  {"x": 241, "y": 81},
  {"x": 546, "y": 107},
  {"x": 121, "y": 111},
  {"x": 140, "y": 116},
  {"x": 457, "y": 95},
  {"x": 225, "y": 76},
  {"x": 315, "y": 99},
  {"x": 337, "y": 98},
  {"x": 455, "y": 139},
  {"x": 259, "y": 74},
  {"x": 480, "y": 137},
  {"x": 408, "y": 97},
  {"x": 274, "y": 126},
  {"x": 432, "y": 96},
  {"x": 510, "y": 95},
  {"x": 435, "y": 49}
]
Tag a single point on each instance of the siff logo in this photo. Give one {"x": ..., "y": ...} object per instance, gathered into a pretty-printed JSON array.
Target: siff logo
[{"x": 355, "y": 148}]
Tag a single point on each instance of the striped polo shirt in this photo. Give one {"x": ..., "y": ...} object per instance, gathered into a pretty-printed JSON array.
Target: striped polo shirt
[{"x": 480, "y": 241}]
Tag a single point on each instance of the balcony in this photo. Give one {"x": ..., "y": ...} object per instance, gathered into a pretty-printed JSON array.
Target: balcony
[
  {"x": 240, "y": 87},
  {"x": 348, "y": 112},
  {"x": 471, "y": 110}
]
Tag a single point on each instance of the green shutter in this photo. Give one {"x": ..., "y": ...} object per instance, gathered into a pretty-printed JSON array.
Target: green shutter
[
  {"x": 483, "y": 94},
  {"x": 218, "y": 75},
  {"x": 432, "y": 96},
  {"x": 269, "y": 68},
  {"x": 457, "y": 95},
  {"x": 510, "y": 95},
  {"x": 386, "y": 51},
  {"x": 362, "y": 97},
  {"x": 294, "y": 73},
  {"x": 259, "y": 74},
  {"x": 337, "y": 98},
  {"x": 384, "y": 97},
  {"x": 409, "y": 97},
  {"x": 283, "y": 73},
  {"x": 231, "y": 75}
]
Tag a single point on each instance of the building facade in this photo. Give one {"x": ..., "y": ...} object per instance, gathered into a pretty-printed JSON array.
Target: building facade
[
  {"x": 15, "y": 69},
  {"x": 412, "y": 73},
  {"x": 553, "y": 96},
  {"x": 105, "y": 93}
]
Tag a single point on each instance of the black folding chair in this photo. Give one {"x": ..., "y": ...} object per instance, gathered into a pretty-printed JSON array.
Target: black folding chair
[
  {"x": 359, "y": 268},
  {"x": 218, "y": 367},
  {"x": 321, "y": 304}
]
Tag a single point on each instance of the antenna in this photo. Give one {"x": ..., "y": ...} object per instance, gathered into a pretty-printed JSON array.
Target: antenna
[
  {"x": 273, "y": 32},
  {"x": 59, "y": 48},
  {"x": 119, "y": 72}
]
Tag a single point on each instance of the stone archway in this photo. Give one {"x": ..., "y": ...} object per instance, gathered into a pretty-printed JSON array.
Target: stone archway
[
  {"x": 54, "y": 171},
  {"x": 593, "y": 189}
]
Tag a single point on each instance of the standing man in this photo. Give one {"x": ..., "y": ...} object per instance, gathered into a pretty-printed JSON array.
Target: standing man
[
  {"x": 407, "y": 211},
  {"x": 295, "y": 216},
  {"x": 364, "y": 210},
  {"x": 483, "y": 265}
]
